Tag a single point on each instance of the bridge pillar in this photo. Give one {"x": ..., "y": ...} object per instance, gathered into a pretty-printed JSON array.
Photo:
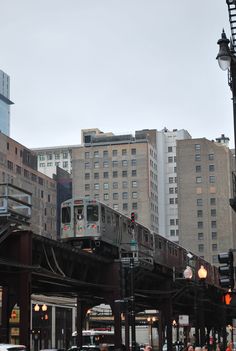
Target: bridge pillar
[
  {"x": 4, "y": 336},
  {"x": 81, "y": 310},
  {"x": 167, "y": 311}
]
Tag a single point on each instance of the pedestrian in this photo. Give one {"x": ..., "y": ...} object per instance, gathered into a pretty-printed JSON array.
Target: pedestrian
[
  {"x": 104, "y": 347},
  {"x": 198, "y": 348},
  {"x": 230, "y": 346},
  {"x": 148, "y": 348},
  {"x": 190, "y": 348}
]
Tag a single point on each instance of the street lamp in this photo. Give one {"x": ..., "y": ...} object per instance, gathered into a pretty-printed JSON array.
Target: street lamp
[
  {"x": 227, "y": 61},
  {"x": 202, "y": 274}
]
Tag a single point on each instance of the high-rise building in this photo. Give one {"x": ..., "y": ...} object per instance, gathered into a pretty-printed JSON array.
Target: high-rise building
[
  {"x": 5, "y": 103},
  {"x": 120, "y": 170},
  {"x": 49, "y": 158},
  {"x": 167, "y": 181},
  {"x": 206, "y": 221},
  {"x": 18, "y": 166}
]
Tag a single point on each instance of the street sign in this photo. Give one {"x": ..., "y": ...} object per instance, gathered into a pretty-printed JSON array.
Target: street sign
[{"x": 183, "y": 320}]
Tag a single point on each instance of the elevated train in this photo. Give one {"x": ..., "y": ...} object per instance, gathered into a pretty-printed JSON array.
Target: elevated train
[{"x": 95, "y": 227}]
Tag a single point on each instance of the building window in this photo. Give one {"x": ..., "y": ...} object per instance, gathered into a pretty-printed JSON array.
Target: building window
[
  {"x": 87, "y": 187},
  {"x": 125, "y": 206},
  {"x": 124, "y": 184},
  {"x": 125, "y": 195},
  {"x": 65, "y": 164},
  {"x": 18, "y": 169},
  {"x": 124, "y": 173},
  {"x": 114, "y": 163},
  {"x": 115, "y": 174},
  {"x": 213, "y": 212},
  {"x": 134, "y": 184},
  {"x": 87, "y": 176},
  {"x": 134, "y": 206},
  {"x": 96, "y": 175},
  {"x": 65, "y": 155},
  {"x": 211, "y": 168},
  {"x": 105, "y": 164},
  {"x": 115, "y": 196},
  {"x": 176, "y": 200},
  {"x": 213, "y": 224},
  {"x": 198, "y": 168},
  {"x": 197, "y": 157},
  {"x": 133, "y": 151},
  {"x": 96, "y": 164},
  {"x": 133, "y": 162},
  {"x": 199, "y": 213},
  {"x": 200, "y": 225},
  {"x": 57, "y": 163},
  {"x": 171, "y": 200},
  {"x": 214, "y": 235},
  {"x": 42, "y": 164},
  {"x": 171, "y": 180},
  {"x": 124, "y": 152},
  {"x": 200, "y": 247},
  {"x": 106, "y": 196},
  {"x": 96, "y": 186},
  {"x": 215, "y": 258},
  {"x": 41, "y": 157},
  {"x": 134, "y": 172},
  {"x": 170, "y": 159},
  {"x": 198, "y": 179},
  {"x": 172, "y": 232},
  {"x": 199, "y": 202},
  {"x": 49, "y": 157},
  {"x": 105, "y": 153},
  {"x": 212, "y": 179},
  {"x": 114, "y": 152},
  {"x": 49, "y": 164},
  {"x": 116, "y": 207},
  {"x": 10, "y": 165},
  {"x": 96, "y": 196},
  {"x": 200, "y": 236},
  {"x": 57, "y": 156},
  {"x": 197, "y": 147},
  {"x": 172, "y": 221},
  {"x": 214, "y": 247},
  {"x": 212, "y": 201},
  {"x": 105, "y": 186},
  {"x": 170, "y": 149},
  {"x": 87, "y": 165},
  {"x": 96, "y": 154},
  {"x": 171, "y": 190},
  {"x": 211, "y": 157},
  {"x": 86, "y": 154},
  {"x": 124, "y": 163},
  {"x": 134, "y": 195},
  {"x": 105, "y": 175},
  {"x": 176, "y": 190},
  {"x": 115, "y": 185}
]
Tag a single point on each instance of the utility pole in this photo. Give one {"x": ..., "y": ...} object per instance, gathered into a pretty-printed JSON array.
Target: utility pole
[{"x": 132, "y": 304}]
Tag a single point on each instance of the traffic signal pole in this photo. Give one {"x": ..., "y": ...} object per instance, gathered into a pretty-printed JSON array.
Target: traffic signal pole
[{"x": 132, "y": 304}]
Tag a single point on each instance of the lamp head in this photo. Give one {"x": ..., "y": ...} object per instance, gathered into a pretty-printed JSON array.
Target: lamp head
[
  {"x": 224, "y": 55},
  {"x": 202, "y": 273}
]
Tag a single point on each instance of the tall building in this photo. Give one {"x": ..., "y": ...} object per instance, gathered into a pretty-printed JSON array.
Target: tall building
[
  {"x": 49, "y": 158},
  {"x": 206, "y": 221},
  {"x": 18, "y": 166},
  {"x": 5, "y": 103},
  {"x": 167, "y": 181},
  {"x": 120, "y": 170}
]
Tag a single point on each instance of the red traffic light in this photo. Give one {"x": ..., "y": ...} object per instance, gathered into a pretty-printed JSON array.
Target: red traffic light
[
  {"x": 132, "y": 217},
  {"x": 227, "y": 298}
]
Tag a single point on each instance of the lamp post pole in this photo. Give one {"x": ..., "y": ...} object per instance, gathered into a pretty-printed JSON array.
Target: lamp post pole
[{"x": 132, "y": 305}]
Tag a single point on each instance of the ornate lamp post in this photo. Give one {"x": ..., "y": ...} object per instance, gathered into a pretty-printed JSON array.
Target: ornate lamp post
[{"x": 202, "y": 274}]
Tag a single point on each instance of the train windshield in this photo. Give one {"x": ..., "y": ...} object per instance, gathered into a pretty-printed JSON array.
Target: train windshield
[
  {"x": 65, "y": 215},
  {"x": 92, "y": 213}
]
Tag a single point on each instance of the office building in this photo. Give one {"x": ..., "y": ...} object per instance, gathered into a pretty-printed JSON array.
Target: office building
[
  {"x": 120, "y": 170},
  {"x": 206, "y": 220},
  {"x": 5, "y": 103},
  {"x": 167, "y": 181},
  {"x": 18, "y": 166}
]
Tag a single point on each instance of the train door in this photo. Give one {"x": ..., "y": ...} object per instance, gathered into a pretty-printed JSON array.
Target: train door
[{"x": 79, "y": 221}]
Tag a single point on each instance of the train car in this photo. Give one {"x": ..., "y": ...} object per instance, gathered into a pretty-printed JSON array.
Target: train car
[{"x": 93, "y": 226}]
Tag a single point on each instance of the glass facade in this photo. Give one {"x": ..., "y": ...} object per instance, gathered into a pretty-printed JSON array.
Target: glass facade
[{"x": 4, "y": 117}]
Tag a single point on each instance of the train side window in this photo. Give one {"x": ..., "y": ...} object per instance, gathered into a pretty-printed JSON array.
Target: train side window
[
  {"x": 66, "y": 215},
  {"x": 92, "y": 213},
  {"x": 139, "y": 234},
  {"x": 108, "y": 218},
  {"x": 146, "y": 236},
  {"x": 160, "y": 244},
  {"x": 103, "y": 214},
  {"x": 124, "y": 227}
]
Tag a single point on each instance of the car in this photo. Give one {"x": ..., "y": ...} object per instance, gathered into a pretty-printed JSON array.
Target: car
[{"x": 12, "y": 347}]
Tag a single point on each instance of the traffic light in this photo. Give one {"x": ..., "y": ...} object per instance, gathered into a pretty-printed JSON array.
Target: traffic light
[
  {"x": 229, "y": 299},
  {"x": 132, "y": 222},
  {"x": 226, "y": 271}
]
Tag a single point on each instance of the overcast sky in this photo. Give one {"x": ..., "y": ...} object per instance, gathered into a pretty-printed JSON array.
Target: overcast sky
[{"x": 118, "y": 65}]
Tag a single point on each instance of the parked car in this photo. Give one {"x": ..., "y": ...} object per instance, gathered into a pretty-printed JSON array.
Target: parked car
[{"x": 12, "y": 347}]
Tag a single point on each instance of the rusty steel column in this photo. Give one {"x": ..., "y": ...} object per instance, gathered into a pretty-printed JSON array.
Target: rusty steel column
[
  {"x": 79, "y": 323},
  {"x": 4, "y": 330},
  {"x": 24, "y": 295},
  {"x": 117, "y": 325}
]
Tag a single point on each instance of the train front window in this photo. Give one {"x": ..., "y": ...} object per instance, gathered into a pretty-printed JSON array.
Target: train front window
[
  {"x": 65, "y": 215},
  {"x": 79, "y": 212},
  {"x": 92, "y": 213}
]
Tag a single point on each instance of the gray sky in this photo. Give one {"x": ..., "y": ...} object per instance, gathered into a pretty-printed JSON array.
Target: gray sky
[{"x": 118, "y": 65}]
